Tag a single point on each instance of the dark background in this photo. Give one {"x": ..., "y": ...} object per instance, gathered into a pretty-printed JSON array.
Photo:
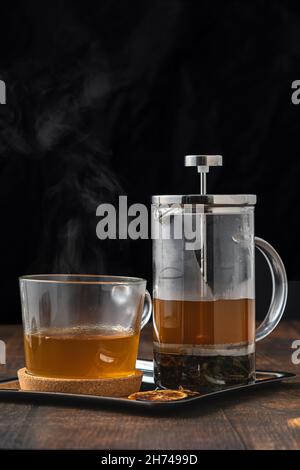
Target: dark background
[{"x": 106, "y": 98}]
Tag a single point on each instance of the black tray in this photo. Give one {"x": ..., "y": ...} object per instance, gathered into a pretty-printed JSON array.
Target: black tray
[{"x": 262, "y": 378}]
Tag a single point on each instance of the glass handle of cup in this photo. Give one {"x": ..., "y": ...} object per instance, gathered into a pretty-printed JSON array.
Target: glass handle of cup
[
  {"x": 146, "y": 315},
  {"x": 279, "y": 288}
]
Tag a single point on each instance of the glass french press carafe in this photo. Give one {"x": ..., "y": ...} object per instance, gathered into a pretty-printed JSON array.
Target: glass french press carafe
[{"x": 204, "y": 287}]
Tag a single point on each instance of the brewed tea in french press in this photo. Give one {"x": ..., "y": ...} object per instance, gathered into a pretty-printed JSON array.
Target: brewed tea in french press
[{"x": 204, "y": 287}]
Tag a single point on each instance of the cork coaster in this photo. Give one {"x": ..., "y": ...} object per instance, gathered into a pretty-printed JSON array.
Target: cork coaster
[{"x": 108, "y": 387}]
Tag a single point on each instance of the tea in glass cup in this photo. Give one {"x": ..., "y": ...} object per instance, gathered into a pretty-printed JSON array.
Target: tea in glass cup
[{"x": 82, "y": 326}]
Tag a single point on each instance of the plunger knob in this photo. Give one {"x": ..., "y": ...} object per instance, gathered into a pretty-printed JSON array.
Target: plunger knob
[{"x": 203, "y": 162}]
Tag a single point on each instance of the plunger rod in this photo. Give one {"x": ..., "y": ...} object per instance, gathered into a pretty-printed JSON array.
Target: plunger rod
[{"x": 202, "y": 183}]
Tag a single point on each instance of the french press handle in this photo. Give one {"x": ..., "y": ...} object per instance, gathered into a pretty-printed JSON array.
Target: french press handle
[{"x": 279, "y": 288}]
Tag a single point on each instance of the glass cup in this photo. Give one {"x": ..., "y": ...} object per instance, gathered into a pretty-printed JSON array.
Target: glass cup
[{"x": 83, "y": 326}]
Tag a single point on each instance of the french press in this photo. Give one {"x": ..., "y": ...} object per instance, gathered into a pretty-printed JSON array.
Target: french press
[{"x": 204, "y": 287}]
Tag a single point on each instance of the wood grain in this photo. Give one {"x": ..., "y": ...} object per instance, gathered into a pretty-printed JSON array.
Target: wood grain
[{"x": 259, "y": 419}]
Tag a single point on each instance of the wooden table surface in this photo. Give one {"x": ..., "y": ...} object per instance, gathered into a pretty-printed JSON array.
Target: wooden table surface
[{"x": 259, "y": 419}]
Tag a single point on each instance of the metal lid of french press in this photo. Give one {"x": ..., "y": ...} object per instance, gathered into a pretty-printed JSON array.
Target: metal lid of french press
[{"x": 203, "y": 162}]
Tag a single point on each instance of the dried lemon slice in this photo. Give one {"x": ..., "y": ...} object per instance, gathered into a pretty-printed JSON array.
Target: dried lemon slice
[{"x": 158, "y": 395}]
